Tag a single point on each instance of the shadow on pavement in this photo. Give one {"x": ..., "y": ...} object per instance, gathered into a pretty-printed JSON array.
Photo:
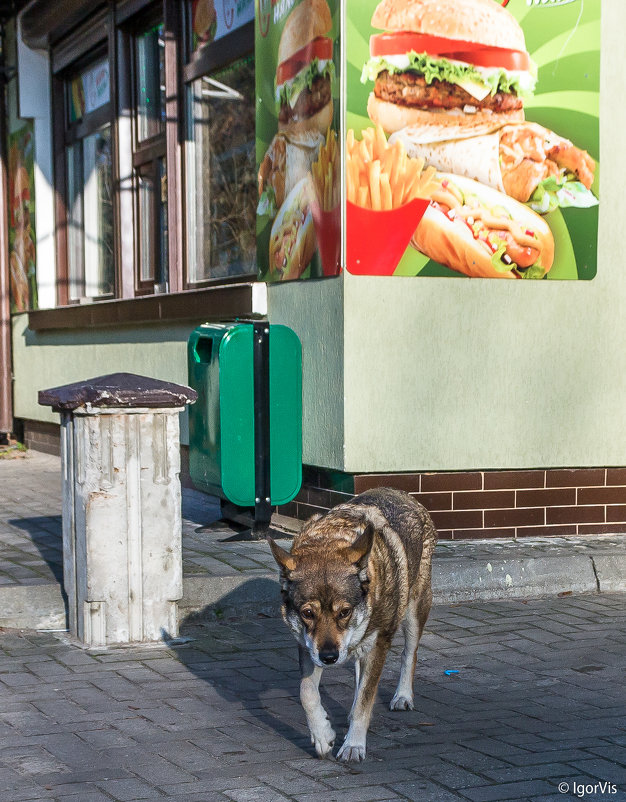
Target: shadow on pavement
[
  {"x": 46, "y": 533},
  {"x": 251, "y": 659}
]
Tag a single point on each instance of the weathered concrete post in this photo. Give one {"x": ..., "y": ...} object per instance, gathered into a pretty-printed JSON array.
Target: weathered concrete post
[{"x": 122, "y": 539}]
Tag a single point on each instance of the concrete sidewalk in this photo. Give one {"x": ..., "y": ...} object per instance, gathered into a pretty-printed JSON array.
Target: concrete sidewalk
[{"x": 223, "y": 577}]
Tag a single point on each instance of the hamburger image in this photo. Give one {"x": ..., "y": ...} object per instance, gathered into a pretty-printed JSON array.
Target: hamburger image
[
  {"x": 305, "y": 71},
  {"x": 447, "y": 62}
]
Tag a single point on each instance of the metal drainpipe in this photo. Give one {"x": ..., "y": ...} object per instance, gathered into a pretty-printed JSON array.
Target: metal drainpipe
[{"x": 6, "y": 373}]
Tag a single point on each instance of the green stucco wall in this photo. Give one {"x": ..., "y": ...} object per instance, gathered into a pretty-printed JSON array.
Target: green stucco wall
[
  {"x": 426, "y": 374},
  {"x": 52, "y": 358},
  {"x": 314, "y": 310},
  {"x": 447, "y": 374}
]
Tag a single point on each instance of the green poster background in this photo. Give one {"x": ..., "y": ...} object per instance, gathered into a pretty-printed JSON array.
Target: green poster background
[
  {"x": 563, "y": 39},
  {"x": 270, "y": 17}
]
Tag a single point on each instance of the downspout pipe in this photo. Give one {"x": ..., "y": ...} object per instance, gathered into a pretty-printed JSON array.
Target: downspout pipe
[{"x": 6, "y": 372}]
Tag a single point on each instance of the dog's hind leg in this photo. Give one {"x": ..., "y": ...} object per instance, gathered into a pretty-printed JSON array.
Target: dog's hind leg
[
  {"x": 403, "y": 697},
  {"x": 322, "y": 733},
  {"x": 413, "y": 626},
  {"x": 371, "y": 666}
]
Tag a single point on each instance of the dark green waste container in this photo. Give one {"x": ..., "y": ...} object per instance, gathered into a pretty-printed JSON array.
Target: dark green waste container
[{"x": 222, "y": 454}]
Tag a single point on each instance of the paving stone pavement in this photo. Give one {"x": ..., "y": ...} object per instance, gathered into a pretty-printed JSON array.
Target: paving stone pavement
[{"x": 538, "y": 701}]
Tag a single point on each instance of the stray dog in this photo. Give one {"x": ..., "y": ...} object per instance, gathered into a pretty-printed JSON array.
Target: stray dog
[{"x": 353, "y": 576}]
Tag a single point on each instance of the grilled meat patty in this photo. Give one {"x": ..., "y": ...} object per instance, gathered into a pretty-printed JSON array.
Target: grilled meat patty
[
  {"x": 309, "y": 102},
  {"x": 411, "y": 89}
]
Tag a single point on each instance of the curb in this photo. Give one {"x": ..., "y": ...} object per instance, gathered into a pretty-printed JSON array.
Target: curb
[{"x": 455, "y": 580}]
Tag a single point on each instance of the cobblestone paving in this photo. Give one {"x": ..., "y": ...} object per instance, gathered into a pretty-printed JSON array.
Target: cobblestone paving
[{"x": 538, "y": 700}]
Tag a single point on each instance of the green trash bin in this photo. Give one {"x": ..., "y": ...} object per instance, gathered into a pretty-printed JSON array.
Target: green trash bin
[{"x": 224, "y": 453}]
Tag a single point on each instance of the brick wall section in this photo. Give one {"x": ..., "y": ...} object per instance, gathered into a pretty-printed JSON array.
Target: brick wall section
[{"x": 483, "y": 504}]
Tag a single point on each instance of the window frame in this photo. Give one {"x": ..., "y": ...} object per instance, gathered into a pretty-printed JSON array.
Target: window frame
[
  {"x": 145, "y": 153},
  {"x": 106, "y": 29},
  {"x": 70, "y": 61},
  {"x": 208, "y": 58}
]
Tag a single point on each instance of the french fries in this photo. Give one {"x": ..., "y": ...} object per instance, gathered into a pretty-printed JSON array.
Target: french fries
[
  {"x": 326, "y": 173},
  {"x": 383, "y": 177}
]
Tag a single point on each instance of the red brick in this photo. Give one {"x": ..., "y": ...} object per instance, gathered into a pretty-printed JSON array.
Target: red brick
[
  {"x": 616, "y": 513},
  {"x": 551, "y": 497},
  {"x": 512, "y": 480},
  {"x": 601, "y": 495},
  {"x": 410, "y": 482},
  {"x": 483, "y": 500},
  {"x": 526, "y": 516},
  {"x": 546, "y": 531},
  {"x": 616, "y": 476},
  {"x": 575, "y": 477},
  {"x": 574, "y": 515},
  {"x": 470, "y": 519},
  {"x": 473, "y": 534},
  {"x": 435, "y": 501},
  {"x": 451, "y": 481},
  {"x": 601, "y": 529}
]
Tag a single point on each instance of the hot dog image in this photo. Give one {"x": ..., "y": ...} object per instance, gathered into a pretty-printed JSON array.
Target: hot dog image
[
  {"x": 527, "y": 161},
  {"x": 292, "y": 239},
  {"x": 447, "y": 62},
  {"x": 481, "y": 232}
]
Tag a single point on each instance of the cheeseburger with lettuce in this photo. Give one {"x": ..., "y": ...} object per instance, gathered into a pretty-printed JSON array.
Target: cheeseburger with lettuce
[
  {"x": 305, "y": 70},
  {"x": 440, "y": 62}
]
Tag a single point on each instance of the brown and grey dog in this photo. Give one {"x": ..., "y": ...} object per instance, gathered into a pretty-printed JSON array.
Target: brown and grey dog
[{"x": 353, "y": 576}]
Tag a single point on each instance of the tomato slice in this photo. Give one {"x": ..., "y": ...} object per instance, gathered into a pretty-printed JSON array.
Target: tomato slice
[
  {"x": 321, "y": 47},
  {"x": 394, "y": 44}
]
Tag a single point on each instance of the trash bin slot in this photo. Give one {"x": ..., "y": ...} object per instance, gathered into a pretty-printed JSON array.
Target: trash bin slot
[{"x": 203, "y": 350}]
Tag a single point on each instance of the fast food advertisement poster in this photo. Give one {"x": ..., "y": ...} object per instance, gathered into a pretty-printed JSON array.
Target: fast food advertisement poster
[
  {"x": 472, "y": 141},
  {"x": 22, "y": 262},
  {"x": 297, "y": 141}
]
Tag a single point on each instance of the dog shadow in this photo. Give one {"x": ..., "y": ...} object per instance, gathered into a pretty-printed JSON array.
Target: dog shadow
[{"x": 244, "y": 651}]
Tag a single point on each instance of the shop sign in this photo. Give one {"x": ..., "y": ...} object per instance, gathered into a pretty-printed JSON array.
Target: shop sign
[
  {"x": 212, "y": 19},
  {"x": 472, "y": 141}
]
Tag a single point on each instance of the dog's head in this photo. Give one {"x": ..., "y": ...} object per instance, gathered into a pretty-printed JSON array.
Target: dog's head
[{"x": 324, "y": 587}]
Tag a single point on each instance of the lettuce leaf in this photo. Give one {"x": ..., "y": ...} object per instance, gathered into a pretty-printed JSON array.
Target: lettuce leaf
[
  {"x": 440, "y": 69},
  {"x": 563, "y": 192},
  {"x": 267, "y": 202},
  {"x": 288, "y": 93}
]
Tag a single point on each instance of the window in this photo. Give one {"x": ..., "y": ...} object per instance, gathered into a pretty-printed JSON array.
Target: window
[
  {"x": 220, "y": 173},
  {"x": 155, "y": 172},
  {"x": 89, "y": 183},
  {"x": 149, "y": 158}
]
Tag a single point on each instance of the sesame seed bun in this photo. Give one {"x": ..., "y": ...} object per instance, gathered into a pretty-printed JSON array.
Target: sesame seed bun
[
  {"x": 484, "y": 22},
  {"x": 309, "y": 19}
]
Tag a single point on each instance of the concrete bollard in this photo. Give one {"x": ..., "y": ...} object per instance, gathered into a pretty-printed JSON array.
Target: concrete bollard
[{"x": 122, "y": 538}]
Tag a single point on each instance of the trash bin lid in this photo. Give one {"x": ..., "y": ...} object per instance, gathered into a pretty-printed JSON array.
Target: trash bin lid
[{"x": 117, "y": 390}]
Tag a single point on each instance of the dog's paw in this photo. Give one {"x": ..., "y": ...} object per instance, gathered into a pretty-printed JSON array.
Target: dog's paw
[
  {"x": 351, "y": 752},
  {"x": 400, "y": 702},
  {"x": 323, "y": 739}
]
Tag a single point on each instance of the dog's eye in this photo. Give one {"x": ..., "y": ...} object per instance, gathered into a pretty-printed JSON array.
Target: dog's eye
[
  {"x": 345, "y": 612},
  {"x": 307, "y": 614}
]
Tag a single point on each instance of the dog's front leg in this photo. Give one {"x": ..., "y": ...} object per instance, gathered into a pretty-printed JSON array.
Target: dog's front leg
[
  {"x": 322, "y": 734},
  {"x": 371, "y": 666}
]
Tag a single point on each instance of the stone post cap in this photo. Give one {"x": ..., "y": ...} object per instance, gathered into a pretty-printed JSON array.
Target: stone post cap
[{"x": 117, "y": 390}]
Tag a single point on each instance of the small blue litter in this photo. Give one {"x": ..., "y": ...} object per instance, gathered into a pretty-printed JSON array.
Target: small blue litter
[{"x": 449, "y": 671}]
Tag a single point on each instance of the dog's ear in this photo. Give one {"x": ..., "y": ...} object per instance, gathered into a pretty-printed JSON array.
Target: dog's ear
[
  {"x": 286, "y": 562},
  {"x": 359, "y": 552}
]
